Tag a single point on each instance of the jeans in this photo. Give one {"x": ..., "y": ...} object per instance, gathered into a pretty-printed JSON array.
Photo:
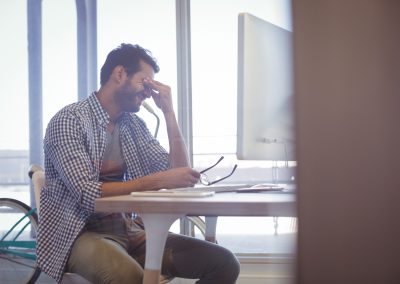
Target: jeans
[{"x": 109, "y": 251}]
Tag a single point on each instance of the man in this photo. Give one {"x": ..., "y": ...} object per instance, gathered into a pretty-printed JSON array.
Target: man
[{"x": 98, "y": 147}]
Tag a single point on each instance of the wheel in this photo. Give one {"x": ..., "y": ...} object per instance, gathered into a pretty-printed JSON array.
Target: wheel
[{"x": 18, "y": 228}]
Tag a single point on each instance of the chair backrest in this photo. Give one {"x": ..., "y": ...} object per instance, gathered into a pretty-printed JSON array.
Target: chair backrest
[
  {"x": 36, "y": 173},
  {"x": 38, "y": 183}
]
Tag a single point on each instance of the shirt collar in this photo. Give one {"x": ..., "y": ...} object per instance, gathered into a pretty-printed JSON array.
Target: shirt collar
[{"x": 99, "y": 112}]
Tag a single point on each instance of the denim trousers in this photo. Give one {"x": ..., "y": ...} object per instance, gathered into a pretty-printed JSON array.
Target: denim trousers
[{"x": 110, "y": 250}]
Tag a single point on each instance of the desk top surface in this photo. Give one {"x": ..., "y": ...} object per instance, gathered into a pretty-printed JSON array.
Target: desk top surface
[{"x": 221, "y": 204}]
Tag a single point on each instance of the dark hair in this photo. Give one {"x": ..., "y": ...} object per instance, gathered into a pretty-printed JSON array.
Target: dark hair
[{"x": 128, "y": 56}]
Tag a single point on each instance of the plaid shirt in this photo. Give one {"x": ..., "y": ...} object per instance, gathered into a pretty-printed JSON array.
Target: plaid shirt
[{"x": 74, "y": 145}]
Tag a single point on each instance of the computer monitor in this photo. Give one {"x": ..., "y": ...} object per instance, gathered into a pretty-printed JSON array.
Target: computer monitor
[{"x": 265, "y": 126}]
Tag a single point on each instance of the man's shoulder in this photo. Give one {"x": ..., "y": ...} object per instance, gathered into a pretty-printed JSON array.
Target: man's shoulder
[
  {"x": 77, "y": 112},
  {"x": 76, "y": 109}
]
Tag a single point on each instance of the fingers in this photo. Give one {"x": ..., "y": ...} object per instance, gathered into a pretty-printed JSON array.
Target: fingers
[
  {"x": 194, "y": 173},
  {"x": 161, "y": 94},
  {"x": 184, "y": 177},
  {"x": 156, "y": 86},
  {"x": 190, "y": 177}
]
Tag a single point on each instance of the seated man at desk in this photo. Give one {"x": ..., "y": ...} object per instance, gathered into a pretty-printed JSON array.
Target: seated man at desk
[{"x": 99, "y": 147}]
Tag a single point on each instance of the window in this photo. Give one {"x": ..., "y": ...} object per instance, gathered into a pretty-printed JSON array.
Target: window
[
  {"x": 14, "y": 113},
  {"x": 14, "y": 62},
  {"x": 59, "y": 56},
  {"x": 214, "y": 73},
  {"x": 137, "y": 22}
]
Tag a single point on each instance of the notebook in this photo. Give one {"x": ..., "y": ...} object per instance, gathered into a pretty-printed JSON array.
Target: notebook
[{"x": 172, "y": 193}]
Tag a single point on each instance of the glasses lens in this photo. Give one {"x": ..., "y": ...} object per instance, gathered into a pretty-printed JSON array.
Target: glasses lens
[{"x": 204, "y": 179}]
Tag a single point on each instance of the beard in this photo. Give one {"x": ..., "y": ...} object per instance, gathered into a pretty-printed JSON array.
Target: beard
[{"x": 129, "y": 99}]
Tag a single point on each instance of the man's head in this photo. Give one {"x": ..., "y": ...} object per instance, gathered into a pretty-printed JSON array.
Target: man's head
[
  {"x": 123, "y": 77},
  {"x": 128, "y": 56}
]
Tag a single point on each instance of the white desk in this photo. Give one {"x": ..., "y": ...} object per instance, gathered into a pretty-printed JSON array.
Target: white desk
[{"x": 158, "y": 214}]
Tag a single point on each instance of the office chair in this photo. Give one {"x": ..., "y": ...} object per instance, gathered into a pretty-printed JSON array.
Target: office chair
[{"x": 36, "y": 173}]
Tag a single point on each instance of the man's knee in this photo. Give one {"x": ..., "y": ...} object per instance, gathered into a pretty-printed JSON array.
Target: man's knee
[
  {"x": 122, "y": 273},
  {"x": 230, "y": 266},
  {"x": 119, "y": 269}
]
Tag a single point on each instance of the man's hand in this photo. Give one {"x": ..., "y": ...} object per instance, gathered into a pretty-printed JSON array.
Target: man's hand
[
  {"x": 177, "y": 177},
  {"x": 161, "y": 94}
]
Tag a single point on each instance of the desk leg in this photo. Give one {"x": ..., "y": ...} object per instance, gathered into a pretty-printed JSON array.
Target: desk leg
[
  {"x": 211, "y": 228},
  {"x": 156, "y": 228}
]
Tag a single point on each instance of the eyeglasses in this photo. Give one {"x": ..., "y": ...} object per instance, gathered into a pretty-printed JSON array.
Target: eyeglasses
[{"x": 204, "y": 179}]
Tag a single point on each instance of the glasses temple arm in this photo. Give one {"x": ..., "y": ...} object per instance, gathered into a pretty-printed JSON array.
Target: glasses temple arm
[
  {"x": 225, "y": 177},
  {"x": 209, "y": 168}
]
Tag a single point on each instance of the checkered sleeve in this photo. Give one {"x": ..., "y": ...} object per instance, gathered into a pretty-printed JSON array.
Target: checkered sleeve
[{"x": 66, "y": 147}]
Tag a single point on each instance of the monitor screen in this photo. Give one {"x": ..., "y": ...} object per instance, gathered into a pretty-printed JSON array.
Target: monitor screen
[{"x": 265, "y": 126}]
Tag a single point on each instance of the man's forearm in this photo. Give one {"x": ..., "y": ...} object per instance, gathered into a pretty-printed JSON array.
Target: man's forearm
[
  {"x": 161, "y": 94},
  {"x": 172, "y": 178},
  {"x": 178, "y": 154}
]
